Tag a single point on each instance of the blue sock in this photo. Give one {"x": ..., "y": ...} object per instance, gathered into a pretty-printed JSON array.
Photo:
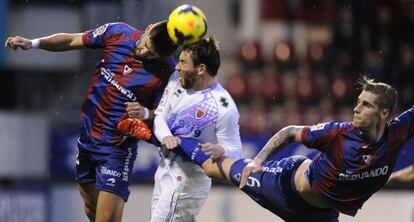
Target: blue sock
[{"x": 190, "y": 149}]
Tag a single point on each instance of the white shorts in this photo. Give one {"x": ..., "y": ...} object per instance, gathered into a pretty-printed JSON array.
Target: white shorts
[{"x": 179, "y": 199}]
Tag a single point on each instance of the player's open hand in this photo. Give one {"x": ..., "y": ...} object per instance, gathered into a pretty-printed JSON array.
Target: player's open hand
[
  {"x": 18, "y": 42},
  {"x": 214, "y": 151},
  {"x": 170, "y": 142},
  {"x": 250, "y": 168},
  {"x": 135, "y": 110}
]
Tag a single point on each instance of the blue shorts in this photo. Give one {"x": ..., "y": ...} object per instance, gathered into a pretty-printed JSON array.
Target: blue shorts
[
  {"x": 274, "y": 189},
  {"x": 110, "y": 171}
]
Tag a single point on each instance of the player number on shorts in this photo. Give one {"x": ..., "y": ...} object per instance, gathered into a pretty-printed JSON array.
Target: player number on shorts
[
  {"x": 197, "y": 133},
  {"x": 253, "y": 182}
]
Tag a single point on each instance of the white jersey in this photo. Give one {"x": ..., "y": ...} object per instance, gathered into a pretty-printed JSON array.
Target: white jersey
[{"x": 210, "y": 116}]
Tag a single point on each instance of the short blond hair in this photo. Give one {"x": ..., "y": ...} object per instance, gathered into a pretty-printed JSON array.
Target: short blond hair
[{"x": 387, "y": 95}]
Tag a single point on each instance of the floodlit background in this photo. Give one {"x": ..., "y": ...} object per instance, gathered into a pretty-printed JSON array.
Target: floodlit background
[{"x": 284, "y": 62}]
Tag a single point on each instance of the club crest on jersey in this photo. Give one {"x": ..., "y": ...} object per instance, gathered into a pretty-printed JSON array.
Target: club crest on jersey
[
  {"x": 366, "y": 158},
  {"x": 127, "y": 70},
  {"x": 200, "y": 113},
  {"x": 100, "y": 30}
]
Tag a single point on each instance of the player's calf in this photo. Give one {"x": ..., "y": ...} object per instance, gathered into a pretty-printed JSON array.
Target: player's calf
[{"x": 218, "y": 169}]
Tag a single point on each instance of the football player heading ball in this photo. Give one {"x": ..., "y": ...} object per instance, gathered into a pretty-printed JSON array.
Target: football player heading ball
[{"x": 186, "y": 25}]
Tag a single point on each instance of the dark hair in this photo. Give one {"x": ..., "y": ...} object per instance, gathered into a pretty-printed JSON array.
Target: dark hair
[
  {"x": 205, "y": 52},
  {"x": 387, "y": 95},
  {"x": 160, "y": 39}
]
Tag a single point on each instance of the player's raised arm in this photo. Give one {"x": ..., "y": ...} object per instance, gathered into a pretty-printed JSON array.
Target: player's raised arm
[
  {"x": 286, "y": 135},
  {"x": 55, "y": 43}
]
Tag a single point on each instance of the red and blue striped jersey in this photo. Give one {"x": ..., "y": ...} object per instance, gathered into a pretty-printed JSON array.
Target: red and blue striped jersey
[
  {"x": 349, "y": 168},
  {"x": 119, "y": 78}
]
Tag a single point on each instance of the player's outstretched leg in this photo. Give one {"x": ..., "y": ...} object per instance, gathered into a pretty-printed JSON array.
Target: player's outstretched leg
[{"x": 218, "y": 169}]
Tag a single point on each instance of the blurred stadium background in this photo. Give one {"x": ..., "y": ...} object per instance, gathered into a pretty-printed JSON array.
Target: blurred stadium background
[{"x": 284, "y": 62}]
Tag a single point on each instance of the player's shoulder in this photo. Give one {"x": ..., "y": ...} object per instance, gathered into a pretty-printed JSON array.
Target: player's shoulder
[
  {"x": 174, "y": 78},
  {"x": 223, "y": 97},
  {"x": 174, "y": 86},
  {"x": 403, "y": 117},
  {"x": 119, "y": 27},
  {"x": 343, "y": 125}
]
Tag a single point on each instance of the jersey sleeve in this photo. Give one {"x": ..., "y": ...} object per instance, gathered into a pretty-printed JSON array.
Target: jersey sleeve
[
  {"x": 228, "y": 134},
  {"x": 320, "y": 136},
  {"x": 164, "y": 105},
  {"x": 404, "y": 124},
  {"x": 97, "y": 38},
  {"x": 161, "y": 128}
]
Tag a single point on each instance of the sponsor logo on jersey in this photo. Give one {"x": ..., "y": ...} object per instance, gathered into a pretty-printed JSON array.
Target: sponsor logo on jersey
[
  {"x": 105, "y": 171},
  {"x": 273, "y": 170},
  {"x": 109, "y": 76},
  {"x": 194, "y": 152},
  {"x": 100, "y": 30},
  {"x": 126, "y": 165},
  {"x": 181, "y": 124},
  {"x": 349, "y": 176},
  {"x": 200, "y": 113}
]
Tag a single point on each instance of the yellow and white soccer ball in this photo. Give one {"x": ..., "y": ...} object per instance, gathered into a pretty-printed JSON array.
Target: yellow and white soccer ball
[{"x": 186, "y": 25}]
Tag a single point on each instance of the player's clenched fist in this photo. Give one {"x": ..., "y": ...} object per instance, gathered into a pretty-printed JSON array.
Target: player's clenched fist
[
  {"x": 136, "y": 110},
  {"x": 18, "y": 42},
  {"x": 135, "y": 128},
  {"x": 170, "y": 142},
  {"x": 214, "y": 151}
]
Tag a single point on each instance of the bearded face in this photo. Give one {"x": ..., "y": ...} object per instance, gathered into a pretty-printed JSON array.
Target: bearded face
[{"x": 188, "y": 73}]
